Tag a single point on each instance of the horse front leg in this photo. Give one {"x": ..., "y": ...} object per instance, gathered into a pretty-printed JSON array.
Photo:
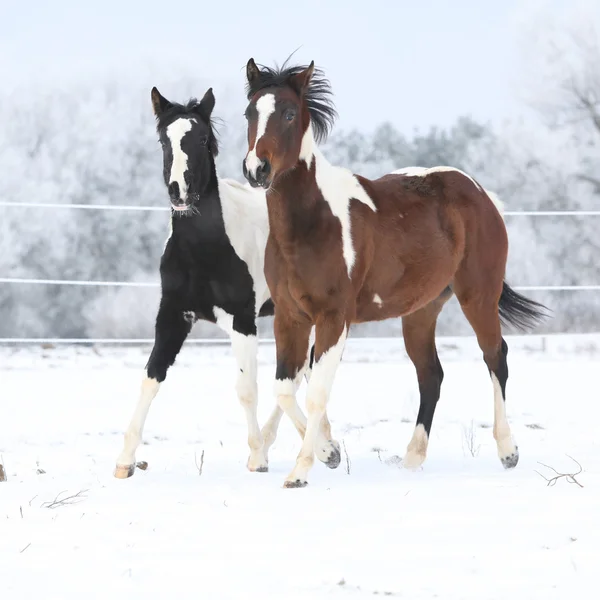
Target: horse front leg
[
  {"x": 244, "y": 343},
  {"x": 331, "y": 332},
  {"x": 171, "y": 330}
]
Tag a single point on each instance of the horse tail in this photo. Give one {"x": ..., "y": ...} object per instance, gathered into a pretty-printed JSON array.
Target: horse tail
[{"x": 519, "y": 311}]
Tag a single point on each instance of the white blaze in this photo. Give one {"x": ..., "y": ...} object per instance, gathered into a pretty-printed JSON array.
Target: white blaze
[
  {"x": 265, "y": 107},
  {"x": 175, "y": 133}
]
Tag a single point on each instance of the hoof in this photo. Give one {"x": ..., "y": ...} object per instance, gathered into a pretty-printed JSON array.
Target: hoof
[
  {"x": 413, "y": 460},
  {"x": 330, "y": 454},
  {"x": 298, "y": 483},
  {"x": 258, "y": 464},
  {"x": 334, "y": 460},
  {"x": 125, "y": 471},
  {"x": 261, "y": 469},
  {"x": 510, "y": 461}
]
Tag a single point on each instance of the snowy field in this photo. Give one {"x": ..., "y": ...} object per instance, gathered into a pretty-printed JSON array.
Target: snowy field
[{"x": 459, "y": 528}]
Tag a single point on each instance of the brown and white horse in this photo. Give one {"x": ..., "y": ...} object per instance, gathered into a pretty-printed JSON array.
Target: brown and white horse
[{"x": 344, "y": 249}]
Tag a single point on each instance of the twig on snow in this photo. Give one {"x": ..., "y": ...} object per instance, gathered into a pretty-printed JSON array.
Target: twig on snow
[
  {"x": 570, "y": 477},
  {"x": 21, "y": 551},
  {"x": 348, "y": 463},
  {"x": 73, "y": 499},
  {"x": 470, "y": 440},
  {"x": 201, "y": 465},
  {"x": 3, "y": 476}
]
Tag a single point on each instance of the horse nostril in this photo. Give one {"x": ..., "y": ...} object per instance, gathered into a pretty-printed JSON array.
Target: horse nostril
[
  {"x": 174, "y": 190},
  {"x": 262, "y": 171},
  {"x": 266, "y": 169}
]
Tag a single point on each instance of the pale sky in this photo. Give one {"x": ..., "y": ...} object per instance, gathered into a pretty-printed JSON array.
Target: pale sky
[{"x": 414, "y": 63}]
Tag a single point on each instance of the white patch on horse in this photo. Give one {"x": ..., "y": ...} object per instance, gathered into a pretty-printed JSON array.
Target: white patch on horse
[
  {"x": 133, "y": 435},
  {"x": 502, "y": 435},
  {"x": 338, "y": 186},
  {"x": 224, "y": 320},
  {"x": 496, "y": 200},
  {"x": 265, "y": 107},
  {"x": 246, "y": 221},
  {"x": 417, "y": 449},
  {"x": 377, "y": 299},
  {"x": 175, "y": 132},
  {"x": 423, "y": 171}
]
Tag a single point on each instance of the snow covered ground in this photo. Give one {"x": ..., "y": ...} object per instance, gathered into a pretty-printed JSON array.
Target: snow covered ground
[{"x": 460, "y": 528}]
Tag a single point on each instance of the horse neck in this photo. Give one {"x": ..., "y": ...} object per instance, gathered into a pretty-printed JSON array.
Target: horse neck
[
  {"x": 211, "y": 189},
  {"x": 299, "y": 182},
  {"x": 293, "y": 198}
]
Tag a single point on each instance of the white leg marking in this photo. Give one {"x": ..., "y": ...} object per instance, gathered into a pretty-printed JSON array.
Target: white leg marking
[
  {"x": 417, "y": 449},
  {"x": 175, "y": 132},
  {"x": 288, "y": 389},
  {"x": 269, "y": 431},
  {"x": 319, "y": 388},
  {"x": 265, "y": 107},
  {"x": 285, "y": 392},
  {"x": 377, "y": 299},
  {"x": 133, "y": 435},
  {"x": 245, "y": 350},
  {"x": 507, "y": 451}
]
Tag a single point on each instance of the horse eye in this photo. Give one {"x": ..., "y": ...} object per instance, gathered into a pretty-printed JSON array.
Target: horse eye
[
  {"x": 204, "y": 140},
  {"x": 289, "y": 115}
]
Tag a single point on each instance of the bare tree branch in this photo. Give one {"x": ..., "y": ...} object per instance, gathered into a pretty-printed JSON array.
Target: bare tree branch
[
  {"x": 570, "y": 477},
  {"x": 73, "y": 499}
]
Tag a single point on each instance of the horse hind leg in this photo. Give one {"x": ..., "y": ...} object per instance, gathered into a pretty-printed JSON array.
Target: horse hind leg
[{"x": 482, "y": 312}]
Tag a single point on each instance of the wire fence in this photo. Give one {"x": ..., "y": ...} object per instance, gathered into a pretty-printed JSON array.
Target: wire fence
[{"x": 153, "y": 284}]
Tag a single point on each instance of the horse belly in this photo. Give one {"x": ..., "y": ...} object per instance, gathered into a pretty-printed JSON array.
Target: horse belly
[{"x": 384, "y": 299}]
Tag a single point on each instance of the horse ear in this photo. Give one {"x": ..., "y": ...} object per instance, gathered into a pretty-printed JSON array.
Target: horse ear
[
  {"x": 301, "y": 80},
  {"x": 207, "y": 103},
  {"x": 252, "y": 71},
  {"x": 159, "y": 103}
]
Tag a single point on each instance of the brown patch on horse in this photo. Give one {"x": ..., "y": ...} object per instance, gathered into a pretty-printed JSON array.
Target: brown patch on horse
[{"x": 424, "y": 186}]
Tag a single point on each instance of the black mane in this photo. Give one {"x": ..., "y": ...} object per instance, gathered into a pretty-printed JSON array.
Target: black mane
[
  {"x": 318, "y": 94},
  {"x": 192, "y": 108}
]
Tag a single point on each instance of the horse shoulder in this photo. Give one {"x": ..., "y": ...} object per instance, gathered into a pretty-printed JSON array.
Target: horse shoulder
[{"x": 246, "y": 223}]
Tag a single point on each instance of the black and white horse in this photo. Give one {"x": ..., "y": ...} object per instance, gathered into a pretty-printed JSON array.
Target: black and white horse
[{"x": 212, "y": 269}]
